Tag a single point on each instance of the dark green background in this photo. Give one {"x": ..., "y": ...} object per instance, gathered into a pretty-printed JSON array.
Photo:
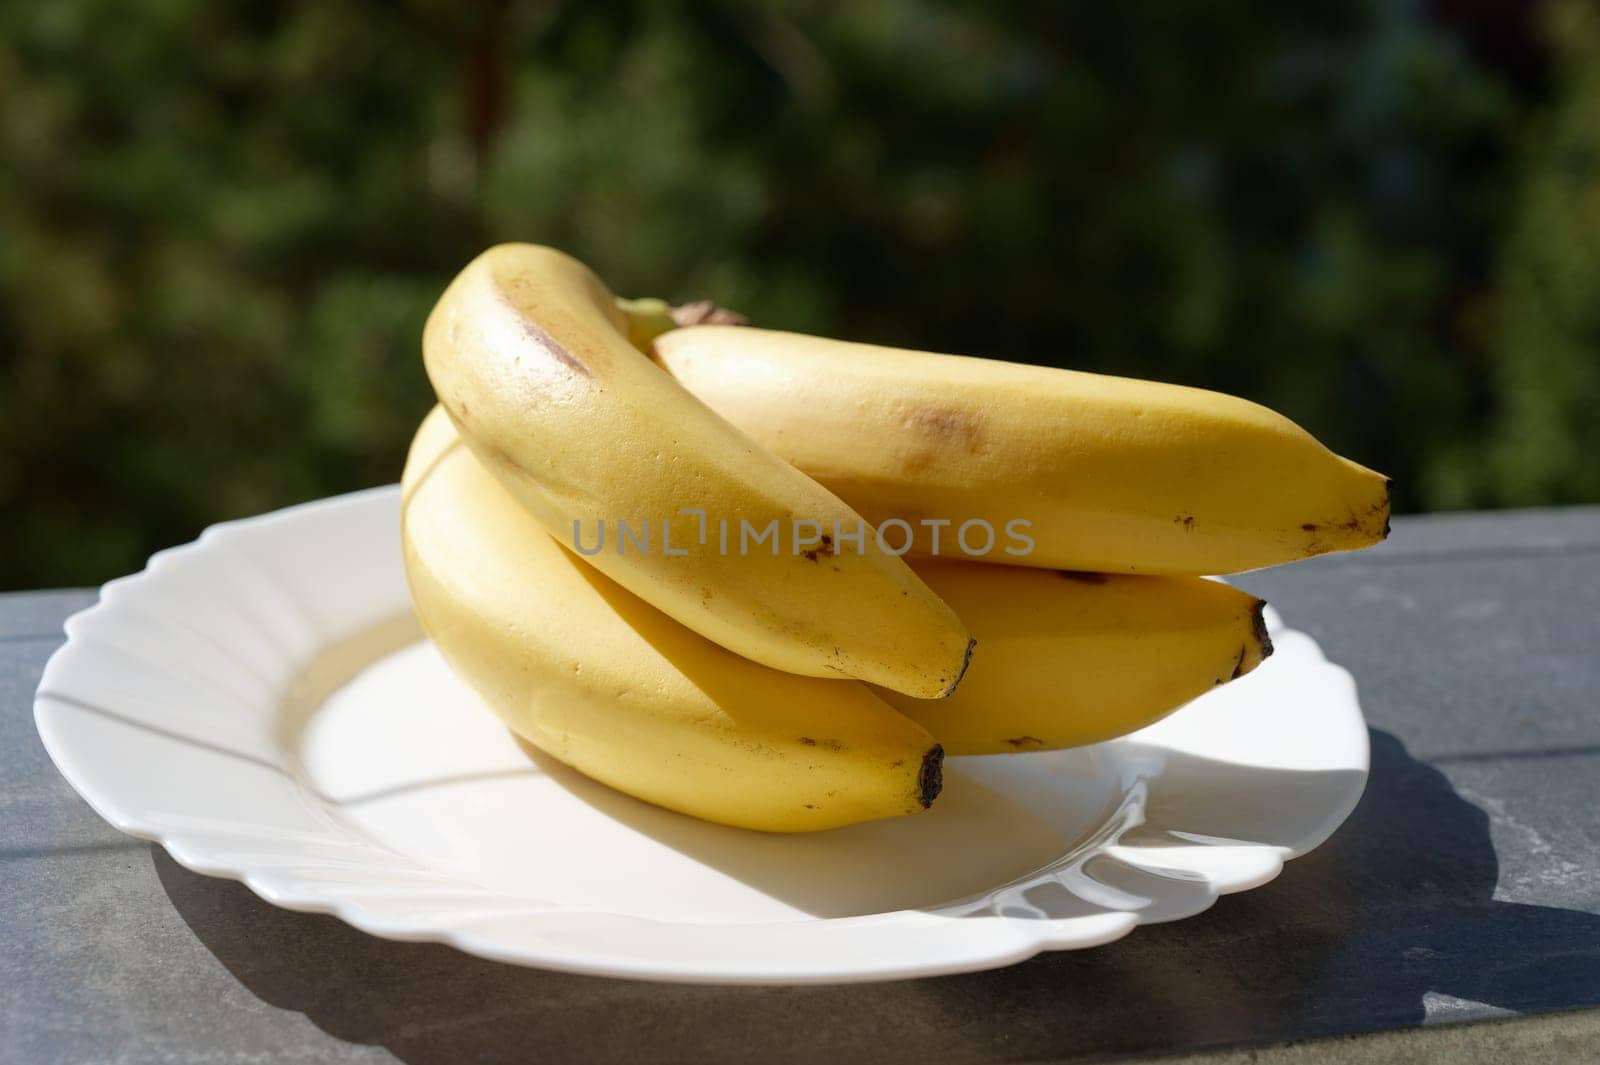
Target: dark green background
[{"x": 222, "y": 223}]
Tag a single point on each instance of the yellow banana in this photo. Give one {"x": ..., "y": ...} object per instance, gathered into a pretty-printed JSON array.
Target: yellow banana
[
  {"x": 530, "y": 356},
  {"x": 1104, "y": 473},
  {"x": 601, "y": 680},
  {"x": 1066, "y": 659}
]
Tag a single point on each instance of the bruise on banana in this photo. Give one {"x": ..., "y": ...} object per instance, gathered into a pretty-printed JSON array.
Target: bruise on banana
[
  {"x": 825, "y": 548},
  {"x": 542, "y": 339},
  {"x": 554, "y": 348},
  {"x": 940, "y": 429}
]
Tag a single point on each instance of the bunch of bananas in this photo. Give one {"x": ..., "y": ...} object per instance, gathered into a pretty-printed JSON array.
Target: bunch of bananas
[{"x": 750, "y": 576}]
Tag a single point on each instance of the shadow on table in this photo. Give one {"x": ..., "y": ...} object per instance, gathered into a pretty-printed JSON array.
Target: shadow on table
[{"x": 1396, "y": 905}]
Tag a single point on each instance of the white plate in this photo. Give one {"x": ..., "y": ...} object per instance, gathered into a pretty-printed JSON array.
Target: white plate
[{"x": 262, "y": 704}]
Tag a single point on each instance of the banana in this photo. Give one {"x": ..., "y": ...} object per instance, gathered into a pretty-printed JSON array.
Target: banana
[
  {"x": 1101, "y": 473},
  {"x": 530, "y": 356},
  {"x": 601, "y": 680},
  {"x": 1066, "y": 659}
]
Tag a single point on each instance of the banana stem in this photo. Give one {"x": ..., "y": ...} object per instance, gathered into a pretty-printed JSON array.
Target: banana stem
[{"x": 649, "y": 317}]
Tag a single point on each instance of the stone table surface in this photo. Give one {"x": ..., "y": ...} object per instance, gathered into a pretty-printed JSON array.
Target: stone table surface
[{"x": 1465, "y": 888}]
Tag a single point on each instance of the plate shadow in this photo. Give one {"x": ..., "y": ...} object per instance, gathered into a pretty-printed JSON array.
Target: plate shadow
[{"x": 1397, "y": 904}]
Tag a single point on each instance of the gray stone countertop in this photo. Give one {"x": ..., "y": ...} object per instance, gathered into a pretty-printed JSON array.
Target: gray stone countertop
[{"x": 1465, "y": 888}]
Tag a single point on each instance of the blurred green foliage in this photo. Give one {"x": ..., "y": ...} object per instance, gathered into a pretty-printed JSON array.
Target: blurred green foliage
[
  {"x": 222, "y": 223},
  {"x": 1545, "y": 446}
]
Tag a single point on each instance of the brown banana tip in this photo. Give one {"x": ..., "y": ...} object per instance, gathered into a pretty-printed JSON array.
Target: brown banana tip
[
  {"x": 930, "y": 780},
  {"x": 1388, "y": 504},
  {"x": 1258, "y": 625},
  {"x": 966, "y": 660}
]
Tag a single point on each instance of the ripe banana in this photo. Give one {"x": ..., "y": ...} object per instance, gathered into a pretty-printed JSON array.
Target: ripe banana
[
  {"x": 560, "y": 651},
  {"x": 530, "y": 356},
  {"x": 606, "y": 683},
  {"x": 1108, "y": 474},
  {"x": 1066, "y": 659}
]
